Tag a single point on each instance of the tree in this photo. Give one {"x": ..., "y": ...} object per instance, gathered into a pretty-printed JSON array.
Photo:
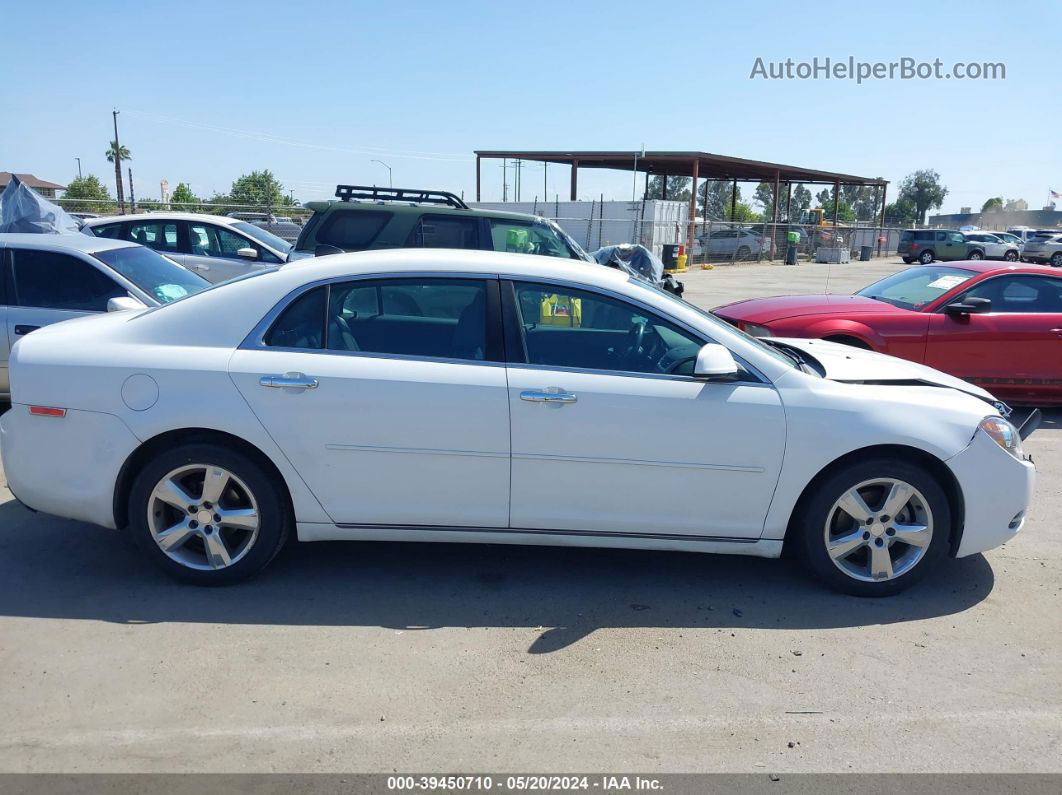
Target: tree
[
  {"x": 924, "y": 191},
  {"x": 678, "y": 188},
  {"x": 123, "y": 152},
  {"x": 995, "y": 204},
  {"x": 86, "y": 195},
  {"x": 743, "y": 214},
  {"x": 183, "y": 199},
  {"x": 901, "y": 212},
  {"x": 720, "y": 193},
  {"x": 262, "y": 188},
  {"x": 801, "y": 199},
  {"x": 764, "y": 196}
]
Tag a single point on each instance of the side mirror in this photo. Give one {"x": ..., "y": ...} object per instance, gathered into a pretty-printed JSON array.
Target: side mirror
[
  {"x": 323, "y": 250},
  {"x": 715, "y": 363},
  {"x": 124, "y": 303},
  {"x": 971, "y": 306},
  {"x": 247, "y": 253}
]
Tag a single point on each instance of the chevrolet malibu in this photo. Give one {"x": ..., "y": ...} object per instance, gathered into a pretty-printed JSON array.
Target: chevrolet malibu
[{"x": 472, "y": 396}]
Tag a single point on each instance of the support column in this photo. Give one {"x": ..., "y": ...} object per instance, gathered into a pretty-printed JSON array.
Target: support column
[
  {"x": 881, "y": 218},
  {"x": 733, "y": 201},
  {"x": 836, "y": 208},
  {"x": 575, "y": 179},
  {"x": 690, "y": 222},
  {"x": 774, "y": 214},
  {"x": 479, "y": 198}
]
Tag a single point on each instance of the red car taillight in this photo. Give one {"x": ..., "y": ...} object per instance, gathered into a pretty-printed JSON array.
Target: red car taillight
[{"x": 914, "y": 246}]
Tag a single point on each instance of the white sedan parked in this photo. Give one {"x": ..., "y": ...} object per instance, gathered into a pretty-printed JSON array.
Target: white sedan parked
[{"x": 466, "y": 396}]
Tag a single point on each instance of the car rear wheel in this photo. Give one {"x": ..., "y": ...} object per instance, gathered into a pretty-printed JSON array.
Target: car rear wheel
[
  {"x": 1011, "y": 256},
  {"x": 207, "y": 514},
  {"x": 744, "y": 253},
  {"x": 925, "y": 257},
  {"x": 1056, "y": 259},
  {"x": 907, "y": 260},
  {"x": 976, "y": 255},
  {"x": 875, "y": 528}
]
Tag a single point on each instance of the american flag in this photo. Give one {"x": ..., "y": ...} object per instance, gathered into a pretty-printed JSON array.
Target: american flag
[{"x": 1056, "y": 195}]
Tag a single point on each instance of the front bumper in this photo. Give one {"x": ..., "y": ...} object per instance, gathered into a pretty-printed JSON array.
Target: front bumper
[
  {"x": 66, "y": 466},
  {"x": 997, "y": 489}
]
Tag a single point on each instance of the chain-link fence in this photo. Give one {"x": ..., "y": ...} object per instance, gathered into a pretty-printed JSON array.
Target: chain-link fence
[{"x": 104, "y": 207}]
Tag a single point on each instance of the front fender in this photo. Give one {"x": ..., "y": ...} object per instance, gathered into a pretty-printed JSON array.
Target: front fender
[{"x": 848, "y": 328}]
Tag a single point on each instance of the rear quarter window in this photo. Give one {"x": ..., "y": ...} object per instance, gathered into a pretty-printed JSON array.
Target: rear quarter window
[
  {"x": 924, "y": 235},
  {"x": 351, "y": 230}
]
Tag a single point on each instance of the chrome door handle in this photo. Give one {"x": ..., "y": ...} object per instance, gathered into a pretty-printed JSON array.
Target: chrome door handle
[
  {"x": 288, "y": 381},
  {"x": 547, "y": 396}
]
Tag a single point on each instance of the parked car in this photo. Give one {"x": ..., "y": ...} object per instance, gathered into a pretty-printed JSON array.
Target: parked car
[
  {"x": 48, "y": 278},
  {"x": 947, "y": 245},
  {"x": 1007, "y": 237},
  {"x": 216, "y": 247},
  {"x": 1044, "y": 247},
  {"x": 733, "y": 244},
  {"x": 367, "y": 218},
  {"x": 472, "y": 396},
  {"x": 994, "y": 246},
  {"x": 1024, "y": 233},
  {"x": 284, "y": 228},
  {"x": 996, "y": 325}
]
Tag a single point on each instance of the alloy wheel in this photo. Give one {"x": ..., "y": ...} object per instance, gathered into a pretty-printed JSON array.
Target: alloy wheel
[
  {"x": 203, "y": 517},
  {"x": 878, "y": 530}
]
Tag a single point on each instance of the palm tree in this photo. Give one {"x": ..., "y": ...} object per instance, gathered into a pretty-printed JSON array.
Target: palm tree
[{"x": 123, "y": 153}]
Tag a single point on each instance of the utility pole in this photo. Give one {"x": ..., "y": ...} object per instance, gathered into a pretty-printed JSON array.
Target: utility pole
[
  {"x": 118, "y": 164},
  {"x": 132, "y": 195},
  {"x": 78, "y": 159},
  {"x": 505, "y": 180}
]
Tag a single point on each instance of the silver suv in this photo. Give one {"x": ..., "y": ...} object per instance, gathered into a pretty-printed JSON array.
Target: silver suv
[{"x": 1045, "y": 247}]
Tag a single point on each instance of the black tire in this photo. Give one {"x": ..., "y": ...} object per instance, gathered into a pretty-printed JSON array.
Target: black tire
[
  {"x": 270, "y": 496},
  {"x": 810, "y": 525},
  {"x": 976, "y": 255},
  {"x": 907, "y": 260},
  {"x": 925, "y": 257},
  {"x": 1011, "y": 256},
  {"x": 744, "y": 253},
  {"x": 1056, "y": 259},
  {"x": 853, "y": 342}
]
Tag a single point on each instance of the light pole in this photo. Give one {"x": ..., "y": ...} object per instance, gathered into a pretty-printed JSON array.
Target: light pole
[
  {"x": 390, "y": 183},
  {"x": 78, "y": 159}
]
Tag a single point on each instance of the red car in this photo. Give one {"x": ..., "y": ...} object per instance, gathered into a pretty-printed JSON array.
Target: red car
[{"x": 992, "y": 323}]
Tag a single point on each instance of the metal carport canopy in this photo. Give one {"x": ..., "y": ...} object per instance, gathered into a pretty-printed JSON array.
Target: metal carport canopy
[{"x": 681, "y": 164}]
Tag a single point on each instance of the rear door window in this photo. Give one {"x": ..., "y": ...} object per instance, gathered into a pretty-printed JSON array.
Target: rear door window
[
  {"x": 923, "y": 236},
  {"x": 440, "y": 231},
  {"x": 159, "y": 235},
  {"x": 351, "y": 230},
  {"x": 112, "y": 231},
  {"x": 50, "y": 280}
]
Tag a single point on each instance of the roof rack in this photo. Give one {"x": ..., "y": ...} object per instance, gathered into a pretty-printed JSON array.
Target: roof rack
[{"x": 415, "y": 195}]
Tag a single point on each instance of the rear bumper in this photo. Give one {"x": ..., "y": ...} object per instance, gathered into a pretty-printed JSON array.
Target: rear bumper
[
  {"x": 997, "y": 489},
  {"x": 66, "y": 466}
]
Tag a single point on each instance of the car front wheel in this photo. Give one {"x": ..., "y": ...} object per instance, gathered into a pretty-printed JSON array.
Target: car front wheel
[
  {"x": 975, "y": 255},
  {"x": 208, "y": 514},
  {"x": 1056, "y": 259},
  {"x": 925, "y": 257},
  {"x": 1011, "y": 256},
  {"x": 875, "y": 528}
]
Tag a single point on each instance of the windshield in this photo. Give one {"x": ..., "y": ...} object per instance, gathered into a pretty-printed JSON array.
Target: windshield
[
  {"x": 262, "y": 236},
  {"x": 162, "y": 279},
  {"x": 779, "y": 355},
  {"x": 915, "y": 287}
]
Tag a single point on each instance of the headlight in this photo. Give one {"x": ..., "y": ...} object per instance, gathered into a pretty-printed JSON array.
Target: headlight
[
  {"x": 1002, "y": 433},
  {"x": 756, "y": 331}
]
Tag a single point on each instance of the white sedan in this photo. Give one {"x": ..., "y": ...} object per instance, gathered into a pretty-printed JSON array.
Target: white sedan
[{"x": 470, "y": 396}]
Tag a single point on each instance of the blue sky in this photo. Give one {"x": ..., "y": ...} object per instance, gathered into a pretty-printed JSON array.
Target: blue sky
[{"x": 315, "y": 91}]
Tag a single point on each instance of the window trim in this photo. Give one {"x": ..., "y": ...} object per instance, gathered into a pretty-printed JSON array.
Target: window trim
[
  {"x": 127, "y": 234},
  {"x": 494, "y": 335},
  {"x": 6, "y": 277},
  {"x": 962, "y": 296},
  {"x": 516, "y": 353}
]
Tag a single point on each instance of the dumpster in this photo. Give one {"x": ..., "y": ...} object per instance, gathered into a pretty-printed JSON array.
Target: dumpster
[
  {"x": 671, "y": 255},
  {"x": 864, "y": 253}
]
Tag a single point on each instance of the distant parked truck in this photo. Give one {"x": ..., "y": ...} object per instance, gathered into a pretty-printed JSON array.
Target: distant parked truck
[{"x": 282, "y": 227}]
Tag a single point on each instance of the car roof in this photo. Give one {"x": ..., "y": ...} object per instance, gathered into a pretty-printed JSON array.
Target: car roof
[
  {"x": 418, "y": 209},
  {"x": 162, "y": 215},
  {"x": 74, "y": 241}
]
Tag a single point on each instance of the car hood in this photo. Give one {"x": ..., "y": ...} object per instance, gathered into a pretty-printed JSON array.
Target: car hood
[
  {"x": 766, "y": 310},
  {"x": 856, "y": 365}
]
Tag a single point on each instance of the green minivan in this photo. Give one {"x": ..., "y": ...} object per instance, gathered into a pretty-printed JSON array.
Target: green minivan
[{"x": 926, "y": 245}]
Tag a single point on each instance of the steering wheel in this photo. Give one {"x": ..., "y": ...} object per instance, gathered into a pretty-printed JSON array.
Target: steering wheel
[{"x": 634, "y": 351}]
